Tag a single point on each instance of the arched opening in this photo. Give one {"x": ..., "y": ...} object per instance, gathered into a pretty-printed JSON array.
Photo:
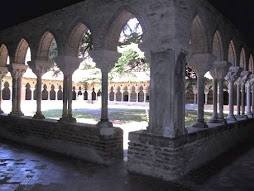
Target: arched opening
[
  {"x": 198, "y": 36},
  {"x": 243, "y": 59},
  {"x": 111, "y": 94},
  {"x": 251, "y": 64},
  {"x": 217, "y": 46},
  {"x": 3, "y": 55},
  {"x": 133, "y": 97},
  {"x": 125, "y": 94},
  {"x": 118, "y": 94},
  {"x": 6, "y": 93},
  {"x": 60, "y": 93},
  {"x": 52, "y": 93},
  {"x": 141, "y": 94},
  {"x": 74, "y": 94},
  {"x": 45, "y": 94},
  {"x": 28, "y": 95},
  {"x": 232, "y": 54}
]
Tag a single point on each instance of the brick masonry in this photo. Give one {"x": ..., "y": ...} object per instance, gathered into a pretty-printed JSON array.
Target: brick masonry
[
  {"x": 169, "y": 159},
  {"x": 78, "y": 140}
]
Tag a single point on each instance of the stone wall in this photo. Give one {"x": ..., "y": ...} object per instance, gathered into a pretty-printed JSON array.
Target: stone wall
[
  {"x": 172, "y": 158},
  {"x": 78, "y": 140}
]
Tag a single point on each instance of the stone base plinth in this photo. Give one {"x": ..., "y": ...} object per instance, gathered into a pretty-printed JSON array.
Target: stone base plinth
[
  {"x": 171, "y": 158},
  {"x": 79, "y": 140}
]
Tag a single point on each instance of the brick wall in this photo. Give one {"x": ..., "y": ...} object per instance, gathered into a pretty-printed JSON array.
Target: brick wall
[
  {"x": 79, "y": 140},
  {"x": 172, "y": 158}
]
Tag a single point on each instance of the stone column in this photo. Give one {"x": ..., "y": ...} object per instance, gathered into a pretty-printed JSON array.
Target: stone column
[
  {"x": 145, "y": 92},
  {"x": 231, "y": 77},
  {"x": 136, "y": 91},
  {"x": 67, "y": 64},
  {"x": 17, "y": 71},
  {"x": 105, "y": 60},
  {"x": 195, "y": 92},
  {"x": 249, "y": 84},
  {"x": 39, "y": 68},
  {"x": 207, "y": 89},
  {"x": 218, "y": 72},
  {"x": 252, "y": 109},
  {"x": 167, "y": 93},
  {"x": 244, "y": 77},
  {"x": 3, "y": 72},
  {"x": 115, "y": 92},
  {"x": 129, "y": 93},
  {"x": 238, "y": 83},
  {"x": 201, "y": 63}
]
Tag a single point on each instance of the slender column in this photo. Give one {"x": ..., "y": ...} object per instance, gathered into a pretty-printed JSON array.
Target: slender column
[
  {"x": 238, "y": 83},
  {"x": 3, "y": 72},
  {"x": 17, "y": 71},
  {"x": 39, "y": 67},
  {"x": 249, "y": 84},
  {"x": 221, "y": 99},
  {"x": 252, "y": 99},
  {"x": 243, "y": 98},
  {"x": 195, "y": 92},
  {"x": 215, "y": 101},
  {"x": 231, "y": 77},
  {"x": 145, "y": 92},
  {"x": 201, "y": 63},
  {"x": 67, "y": 65},
  {"x": 105, "y": 60},
  {"x": 115, "y": 91}
]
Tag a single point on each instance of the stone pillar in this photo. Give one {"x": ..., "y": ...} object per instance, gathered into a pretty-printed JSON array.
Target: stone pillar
[
  {"x": 167, "y": 93},
  {"x": 105, "y": 60},
  {"x": 218, "y": 72},
  {"x": 231, "y": 77},
  {"x": 244, "y": 77},
  {"x": 3, "y": 72},
  {"x": 238, "y": 83},
  {"x": 17, "y": 71},
  {"x": 39, "y": 68},
  {"x": 207, "y": 89},
  {"x": 136, "y": 91},
  {"x": 129, "y": 93},
  {"x": 145, "y": 92},
  {"x": 115, "y": 92},
  {"x": 67, "y": 64},
  {"x": 195, "y": 92},
  {"x": 249, "y": 84},
  {"x": 252, "y": 109},
  {"x": 201, "y": 63}
]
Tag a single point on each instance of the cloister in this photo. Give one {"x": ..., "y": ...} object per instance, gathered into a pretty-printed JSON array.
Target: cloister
[{"x": 174, "y": 33}]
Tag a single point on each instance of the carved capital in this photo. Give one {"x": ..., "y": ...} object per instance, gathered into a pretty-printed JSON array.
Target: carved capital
[
  {"x": 39, "y": 67},
  {"x": 201, "y": 63},
  {"x": 17, "y": 70},
  {"x": 3, "y": 71},
  {"x": 250, "y": 81},
  {"x": 220, "y": 69},
  {"x": 68, "y": 64},
  {"x": 105, "y": 59},
  {"x": 244, "y": 76},
  {"x": 233, "y": 74}
]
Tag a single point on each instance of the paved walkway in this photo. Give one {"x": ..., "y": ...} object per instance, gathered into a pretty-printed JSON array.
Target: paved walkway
[{"x": 26, "y": 168}]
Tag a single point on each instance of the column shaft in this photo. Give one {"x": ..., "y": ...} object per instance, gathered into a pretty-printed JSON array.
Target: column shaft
[
  {"x": 69, "y": 89},
  {"x": 243, "y": 98},
  {"x": 1, "y": 96},
  {"x": 215, "y": 101},
  {"x": 104, "y": 97},
  {"x": 238, "y": 98},
  {"x": 221, "y": 99},
  {"x": 65, "y": 91},
  {"x": 248, "y": 100}
]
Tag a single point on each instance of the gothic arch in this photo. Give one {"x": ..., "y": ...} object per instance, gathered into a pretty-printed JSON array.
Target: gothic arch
[
  {"x": 251, "y": 64},
  {"x": 217, "y": 46},
  {"x": 21, "y": 51},
  {"x": 232, "y": 53},
  {"x": 44, "y": 46},
  {"x": 75, "y": 39},
  {"x": 243, "y": 59},
  {"x": 198, "y": 36},
  {"x": 116, "y": 25},
  {"x": 6, "y": 93},
  {"x": 3, "y": 55},
  {"x": 28, "y": 95}
]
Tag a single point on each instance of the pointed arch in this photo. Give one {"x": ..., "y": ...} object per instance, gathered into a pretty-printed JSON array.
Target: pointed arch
[
  {"x": 3, "y": 55},
  {"x": 251, "y": 64},
  {"x": 232, "y": 53},
  {"x": 75, "y": 39},
  {"x": 21, "y": 51},
  {"x": 243, "y": 59},
  {"x": 198, "y": 36},
  {"x": 44, "y": 46},
  {"x": 217, "y": 46}
]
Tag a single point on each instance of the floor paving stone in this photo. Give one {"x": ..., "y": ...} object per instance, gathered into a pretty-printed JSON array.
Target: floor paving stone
[{"x": 26, "y": 168}]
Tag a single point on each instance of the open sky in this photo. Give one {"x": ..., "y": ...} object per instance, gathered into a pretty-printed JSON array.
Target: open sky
[{"x": 13, "y": 12}]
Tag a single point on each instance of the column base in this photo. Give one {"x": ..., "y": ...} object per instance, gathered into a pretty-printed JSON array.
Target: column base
[
  {"x": 250, "y": 115},
  {"x": 1, "y": 111},
  {"x": 199, "y": 124},
  {"x": 241, "y": 117},
  {"x": 104, "y": 124},
  {"x": 214, "y": 120},
  {"x": 67, "y": 119},
  {"x": 39, "y": 116},
  {"x": 16, "y": 113},
  {"x": 231, "y": 118},
  {"x": 222, "y": 120}
]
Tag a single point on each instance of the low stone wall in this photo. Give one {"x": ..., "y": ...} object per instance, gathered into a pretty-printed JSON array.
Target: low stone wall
[
  {"x": 78, "y": 140},
  {"x": 170, "y": 159}
]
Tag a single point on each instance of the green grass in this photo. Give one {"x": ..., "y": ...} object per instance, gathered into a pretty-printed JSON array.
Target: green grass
[{"x": 122, "y": 115}]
